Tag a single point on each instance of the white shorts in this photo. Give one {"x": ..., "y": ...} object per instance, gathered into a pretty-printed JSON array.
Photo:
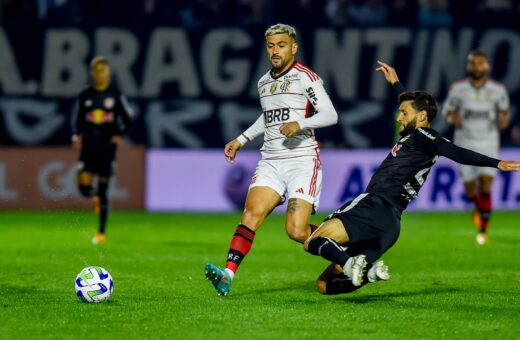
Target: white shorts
[
  {"x": 291, "y": 178},
  {"x": 470, "y": 173}
]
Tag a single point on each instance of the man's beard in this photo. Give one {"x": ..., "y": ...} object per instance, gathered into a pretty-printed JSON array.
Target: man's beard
[
  {"x": 409, "y": 128},
  {"x": 281, "y": 65},
  {"x": 478, "y": 76}
]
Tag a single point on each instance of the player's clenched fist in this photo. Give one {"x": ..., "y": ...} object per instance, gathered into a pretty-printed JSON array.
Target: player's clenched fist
[
  {"x": 290, "y": 129},
  {"x": 231, "y": 149}
]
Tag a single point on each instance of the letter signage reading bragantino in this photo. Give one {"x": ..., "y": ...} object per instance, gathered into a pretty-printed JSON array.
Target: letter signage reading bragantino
[{"x": 197, "y": 88}]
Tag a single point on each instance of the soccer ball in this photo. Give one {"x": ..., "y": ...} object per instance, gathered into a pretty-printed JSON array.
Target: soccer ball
[{"x": 94, "y": 284}]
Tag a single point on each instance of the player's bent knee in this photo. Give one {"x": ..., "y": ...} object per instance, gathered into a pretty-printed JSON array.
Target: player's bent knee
[
  {"x": 306, "y": 243},
  {"x": 84, "y": 178},
  {"x": 85, "y": 190},
  {"x": 297, "y": 233},
  {"x": 253, "y": 217}
]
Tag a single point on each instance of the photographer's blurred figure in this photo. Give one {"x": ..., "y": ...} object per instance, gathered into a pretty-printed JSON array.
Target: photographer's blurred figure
[{"x": 102, "y": 117}]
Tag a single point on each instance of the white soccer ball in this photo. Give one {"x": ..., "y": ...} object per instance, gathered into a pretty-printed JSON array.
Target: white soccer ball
[{"x": 94, "y": 284}]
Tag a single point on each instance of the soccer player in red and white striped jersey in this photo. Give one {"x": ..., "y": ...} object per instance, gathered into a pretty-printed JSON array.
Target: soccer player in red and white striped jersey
[
  {"x": 478, "y": 107},
  {"x": 294, "y": 103}
]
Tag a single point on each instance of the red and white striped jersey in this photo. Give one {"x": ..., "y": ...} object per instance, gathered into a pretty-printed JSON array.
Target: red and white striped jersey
[
  {"x": 478, "y": 109},
  {"x": 297, "y": 95}
]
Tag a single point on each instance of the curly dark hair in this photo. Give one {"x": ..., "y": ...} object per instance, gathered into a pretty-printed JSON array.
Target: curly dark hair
[{"x": 421, "y": 101}]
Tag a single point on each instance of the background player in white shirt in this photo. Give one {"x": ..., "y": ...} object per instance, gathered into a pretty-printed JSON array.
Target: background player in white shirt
[
  {"x": 293, "y": 102},
  {"x": 478, "y": 107}
]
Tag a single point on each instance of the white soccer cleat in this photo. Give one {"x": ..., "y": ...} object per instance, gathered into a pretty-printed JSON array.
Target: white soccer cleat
[
  {"x": 355, "y": 268},
  {"x": 378, "y": 272},
  {"x": 482, "y": 238}
]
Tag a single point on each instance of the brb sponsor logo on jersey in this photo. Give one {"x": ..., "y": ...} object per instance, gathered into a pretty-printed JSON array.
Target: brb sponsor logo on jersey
[{"x": 276, "y": 115}]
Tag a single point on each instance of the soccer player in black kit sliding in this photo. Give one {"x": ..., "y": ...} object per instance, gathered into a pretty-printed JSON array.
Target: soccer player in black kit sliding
[
  {"x": 103, "y": 116},
  {"x": 370, "y": 224}
]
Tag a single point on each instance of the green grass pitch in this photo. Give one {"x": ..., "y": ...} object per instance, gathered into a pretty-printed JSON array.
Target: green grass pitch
[{"x": 443, "y": 285}]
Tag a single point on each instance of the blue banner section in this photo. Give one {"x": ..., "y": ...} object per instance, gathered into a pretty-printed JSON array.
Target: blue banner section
[
  {"x": 177, "y": 180},
  {"x": 196, "y": 88}
]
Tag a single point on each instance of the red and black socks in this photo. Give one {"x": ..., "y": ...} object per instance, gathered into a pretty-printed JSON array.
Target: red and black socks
[
  {"x": 239, "y": 247},
  {"x": 484, "y": 205}
]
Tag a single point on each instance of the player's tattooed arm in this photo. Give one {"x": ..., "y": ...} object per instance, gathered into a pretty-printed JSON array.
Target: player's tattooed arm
[{"x": 292, "y": 206}]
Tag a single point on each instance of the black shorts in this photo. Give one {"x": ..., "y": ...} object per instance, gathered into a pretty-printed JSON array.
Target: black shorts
[
  {"x": 98, "y": 159},
  {"x": 372, "y": 224}
]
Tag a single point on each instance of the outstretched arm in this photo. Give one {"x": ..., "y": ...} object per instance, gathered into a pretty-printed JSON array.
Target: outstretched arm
[
  {"x": 468, "y": 157},
  {"x": 432, "y": 142}
]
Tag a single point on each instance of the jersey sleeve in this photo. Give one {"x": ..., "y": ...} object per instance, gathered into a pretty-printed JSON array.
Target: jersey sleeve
[
  {"x": 502, "y": 102},
  {"x": 432, "y": 142},
  {"x": 398, "y": 88},
  {"x": 452, "y": 102},
  {"x": 315, "y": 93},
  {"x": 256, "y": 129},
  {"x": 427, "y": 140},
  {"x": 78, "y": 116},
  {"x": 125, "y": 113}
]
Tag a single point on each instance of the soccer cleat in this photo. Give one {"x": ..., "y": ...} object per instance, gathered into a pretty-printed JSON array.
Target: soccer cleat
[
  {"x": 355, "y": 269},
  {"x": 482, "y": 238},
  {"x": 219, "y": 278},
  {"x": 378, "y": 272},
  {"x": 97, "y": 204},
  {"x": 476, "y": 218},
  {"x": 99, "y": 238}
]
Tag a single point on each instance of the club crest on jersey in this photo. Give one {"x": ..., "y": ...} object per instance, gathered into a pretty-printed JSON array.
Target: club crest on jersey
[
  {"x": 273, "y": 88},
  {"x": 109, "y": 103},
  {"x": 286, "y": 85},
  {"x": 396, "y": 148}
]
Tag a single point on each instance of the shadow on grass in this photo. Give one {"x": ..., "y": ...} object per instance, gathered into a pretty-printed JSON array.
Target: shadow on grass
[
  {"x": 368, "y": 298},
  {"x": 355, "y": 297},
  {"x": 296, "y": 287}
]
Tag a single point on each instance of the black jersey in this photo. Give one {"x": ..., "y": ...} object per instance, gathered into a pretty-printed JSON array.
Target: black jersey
[
  {"x": 101, "y": 115},
  {"x": 404, "y": 171}
]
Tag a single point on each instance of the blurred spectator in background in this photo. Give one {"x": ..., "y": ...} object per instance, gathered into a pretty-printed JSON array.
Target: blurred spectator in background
[
  {"x": 434, "y": 13},
  {"x": 336, "y": 12},
  {"x": 200, "y": 13},
  {"x": 44, "y": 6},
  {"x": 20, "y": 15},
  {"x": 250, "y": 12},
  {"x": 299, "y": 13},
  {"x": 368, "y": 12},
  {"x": 403, "y": 12},
  {"x": 496, "y": 12}
]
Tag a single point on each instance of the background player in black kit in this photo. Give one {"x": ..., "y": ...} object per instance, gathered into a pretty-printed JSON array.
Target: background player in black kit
[
  {"x": 370, "y": 224},
  {"x": 103, "y": 115}
]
